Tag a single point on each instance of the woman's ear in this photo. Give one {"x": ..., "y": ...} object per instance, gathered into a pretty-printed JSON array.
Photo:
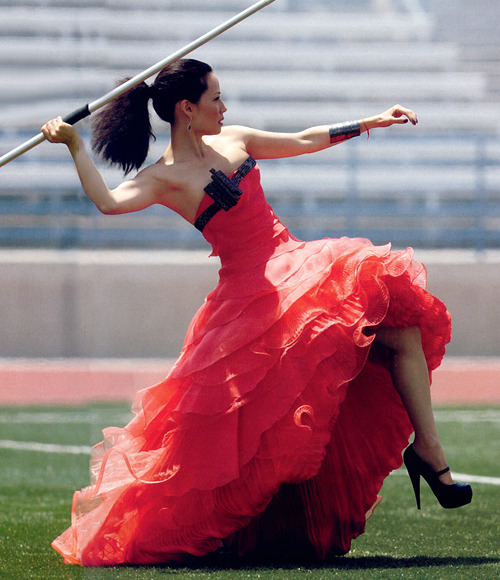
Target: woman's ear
[{"x": 186, "y": 107}]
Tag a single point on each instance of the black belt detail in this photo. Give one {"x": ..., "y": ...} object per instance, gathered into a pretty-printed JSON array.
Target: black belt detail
[{"x": 224, "y": 191}]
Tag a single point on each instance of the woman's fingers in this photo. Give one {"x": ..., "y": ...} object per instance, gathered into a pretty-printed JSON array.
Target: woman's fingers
[
  {"x": 398, "y": 115},
  {"x": 57, "y": 131},
  {"x": 403, "y": 115},
  {"x": 50, "y": 130}
]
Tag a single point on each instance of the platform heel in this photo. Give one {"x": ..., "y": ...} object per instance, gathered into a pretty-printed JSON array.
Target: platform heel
[{"x": 448, "y": 495}]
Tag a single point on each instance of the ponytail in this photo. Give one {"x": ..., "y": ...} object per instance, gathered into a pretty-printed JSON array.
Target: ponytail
[{"x": 121, "y": 132}]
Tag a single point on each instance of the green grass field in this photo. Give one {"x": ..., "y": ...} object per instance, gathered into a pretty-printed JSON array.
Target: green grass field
[{"x": 37, "y": 484}]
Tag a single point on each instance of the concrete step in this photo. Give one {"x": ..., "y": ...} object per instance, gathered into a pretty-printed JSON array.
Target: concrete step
[
  {"x": 320, "y": 55},
  {"x": 459, "y": 118},
  {"x": 262, "y": 85},
  {"x": 96, "y": 22}
]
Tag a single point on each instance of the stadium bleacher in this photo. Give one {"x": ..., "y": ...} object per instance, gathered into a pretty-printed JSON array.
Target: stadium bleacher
[{"x": 296, "y": 63}]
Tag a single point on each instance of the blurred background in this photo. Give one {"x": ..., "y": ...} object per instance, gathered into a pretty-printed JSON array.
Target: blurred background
[{"x": 74, "y": 283}]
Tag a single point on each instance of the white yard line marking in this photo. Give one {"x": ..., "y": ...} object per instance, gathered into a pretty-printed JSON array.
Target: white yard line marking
[
  {"x": 467, "y": 415},
  {"x": 83, "y": 450},
  {"x": 62, "y": 417},
  {"x": 462, "y": 477},
  {"x": 476, "y": 478},
  {"x": 44, "y": 447},
  {"x": 110, "y": 416}
]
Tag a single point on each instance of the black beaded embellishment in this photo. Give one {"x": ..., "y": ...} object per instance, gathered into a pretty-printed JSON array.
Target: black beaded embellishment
[
  {"x": 224, "y": 191},
  {"x": 344, "y": 131}
]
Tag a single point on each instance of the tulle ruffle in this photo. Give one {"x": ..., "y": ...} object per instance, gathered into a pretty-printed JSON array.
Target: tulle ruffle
[{"x": 278, "y": 420}]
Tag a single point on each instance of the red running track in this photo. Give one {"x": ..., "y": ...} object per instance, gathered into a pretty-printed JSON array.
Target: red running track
[{"x": 68, "y": 382}]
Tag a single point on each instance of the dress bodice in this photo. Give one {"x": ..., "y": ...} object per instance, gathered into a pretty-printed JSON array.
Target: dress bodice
[{"x": 247, "y": 227}]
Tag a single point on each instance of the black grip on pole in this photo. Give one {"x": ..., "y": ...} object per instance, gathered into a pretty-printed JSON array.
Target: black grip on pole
[{"x": 77, "y": 115}]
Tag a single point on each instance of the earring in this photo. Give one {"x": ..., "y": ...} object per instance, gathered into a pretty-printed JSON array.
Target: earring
[{"x": 189, "y": 126}]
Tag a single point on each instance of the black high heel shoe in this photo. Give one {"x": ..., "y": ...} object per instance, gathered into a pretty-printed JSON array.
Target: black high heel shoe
[{"x": 448, "y": 495}]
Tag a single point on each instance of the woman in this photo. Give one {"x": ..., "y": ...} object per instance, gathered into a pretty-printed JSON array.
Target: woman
[{"x": 301, "y": 377}]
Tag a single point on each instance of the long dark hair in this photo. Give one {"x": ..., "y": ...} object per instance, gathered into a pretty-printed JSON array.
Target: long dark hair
[{"x": 121, "y": 132}]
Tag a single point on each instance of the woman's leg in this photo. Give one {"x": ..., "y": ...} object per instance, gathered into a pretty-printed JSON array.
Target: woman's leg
[{"x": 411, "y": 379}]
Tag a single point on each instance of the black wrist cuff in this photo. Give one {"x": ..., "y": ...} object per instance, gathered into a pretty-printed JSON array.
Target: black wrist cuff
[{"x": 344, "y": 131}]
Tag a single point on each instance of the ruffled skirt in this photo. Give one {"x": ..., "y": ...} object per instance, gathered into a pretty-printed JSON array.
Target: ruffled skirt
[{"x": 277, "y": 424}]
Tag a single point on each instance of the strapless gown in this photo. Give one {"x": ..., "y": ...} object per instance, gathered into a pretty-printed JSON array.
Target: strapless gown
[{"x": 279, "y": 421}]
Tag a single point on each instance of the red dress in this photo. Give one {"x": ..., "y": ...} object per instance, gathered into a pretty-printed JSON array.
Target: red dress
[{"x": 279, "y": 421}]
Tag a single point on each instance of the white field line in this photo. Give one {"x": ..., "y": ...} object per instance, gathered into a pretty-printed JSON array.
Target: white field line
[
  {"x": 44, "y": 447},
  {"x": 477, "y": 478},
  {"x": 467, "y": 415},
  {"x": 463, "y": 416},
  {"x": 63, "y": 417},
  {"x": 462, "y": 477},
  {"x": 122, "y": 417},
  {"x": 83, "y": 450}
]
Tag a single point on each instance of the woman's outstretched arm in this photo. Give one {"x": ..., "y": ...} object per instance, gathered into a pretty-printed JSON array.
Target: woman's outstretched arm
[
  {"x": 269, "y": 145},
  {"x": 132, "y": 195}
]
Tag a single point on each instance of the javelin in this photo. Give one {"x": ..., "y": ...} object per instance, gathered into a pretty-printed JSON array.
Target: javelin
[{"x": 89, "y": 108}]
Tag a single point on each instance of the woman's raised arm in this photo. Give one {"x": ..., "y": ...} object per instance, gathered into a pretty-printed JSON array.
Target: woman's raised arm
[{"x": 131, "y": 195}]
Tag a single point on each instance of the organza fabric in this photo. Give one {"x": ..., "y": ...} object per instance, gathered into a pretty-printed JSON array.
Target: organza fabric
[{"x": 279, "y": 421}]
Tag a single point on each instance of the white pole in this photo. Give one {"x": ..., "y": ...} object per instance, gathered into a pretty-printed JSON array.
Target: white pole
[{"x": 86, "y": 110}]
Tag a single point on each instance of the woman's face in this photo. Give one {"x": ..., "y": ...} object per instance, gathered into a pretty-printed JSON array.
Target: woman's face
[{"x": 208, "y": 114}]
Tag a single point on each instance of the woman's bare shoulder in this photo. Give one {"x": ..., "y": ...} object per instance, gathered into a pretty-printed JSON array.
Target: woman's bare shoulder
[
  {"x": 159, "y": 176},
  {"x": 237, "y": 132}
]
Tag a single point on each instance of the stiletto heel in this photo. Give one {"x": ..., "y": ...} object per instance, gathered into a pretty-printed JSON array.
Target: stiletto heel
[
  {"x": 415, "y": 481},
  {"x": 449, "y": 496}
]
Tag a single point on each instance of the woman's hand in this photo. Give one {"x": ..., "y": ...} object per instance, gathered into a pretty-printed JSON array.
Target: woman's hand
[
  {"x": 396, "y": 115},
  {"x": 57, "y": 131},
  {"x": 132, "y": 195}
]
